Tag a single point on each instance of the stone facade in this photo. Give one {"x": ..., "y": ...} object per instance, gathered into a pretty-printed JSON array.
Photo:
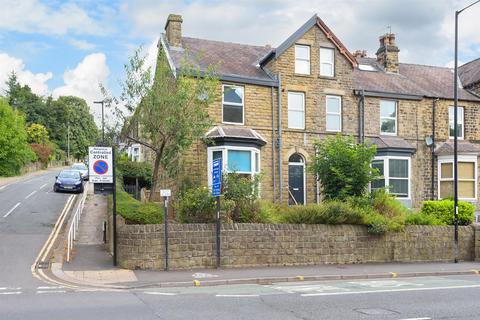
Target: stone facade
[
  {"x": 261, "y": 113},
  {"x": 253, "y": 245}
]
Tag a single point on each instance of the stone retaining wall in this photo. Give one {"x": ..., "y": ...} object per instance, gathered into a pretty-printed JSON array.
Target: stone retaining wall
[{"x": 249, "y": 245}]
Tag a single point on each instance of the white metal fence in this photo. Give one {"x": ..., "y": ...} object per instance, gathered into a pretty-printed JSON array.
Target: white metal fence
[{"x": 73, "y": 230}]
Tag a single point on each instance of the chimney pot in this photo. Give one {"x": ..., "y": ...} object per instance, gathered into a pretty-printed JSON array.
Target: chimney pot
[
  {"x": 173, "y": 29},
  {"x": 360, "y": 53}
]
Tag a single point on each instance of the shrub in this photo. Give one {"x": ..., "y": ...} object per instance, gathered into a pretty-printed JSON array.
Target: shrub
[
  {"x": 132, "y": 169},
  {"x": 376, "y": 224},
  {"x": 443, "y": 211},
  {"x": 196, "y": 206},
  {"x": 243, "y": 191},
  {"x": 42, "y": 152},
  {"x": 137, "y": 212},
  {"x": 419, "y": 218},
  {"x": 331, "y": 212},
  {"x": 343, "y": 166},
  {"x": 386, "y": 204}
]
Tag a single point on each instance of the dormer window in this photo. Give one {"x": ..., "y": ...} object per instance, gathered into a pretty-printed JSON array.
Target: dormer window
[
  {"x": 327, "y": 62},
  {"x": 302, "y": 59}
]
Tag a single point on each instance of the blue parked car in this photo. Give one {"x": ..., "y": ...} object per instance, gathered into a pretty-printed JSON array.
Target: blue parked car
[{"x": 68, "y": 180}]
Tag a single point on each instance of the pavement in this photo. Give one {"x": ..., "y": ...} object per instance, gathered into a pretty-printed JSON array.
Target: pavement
[{"x": 92, "y": 266}]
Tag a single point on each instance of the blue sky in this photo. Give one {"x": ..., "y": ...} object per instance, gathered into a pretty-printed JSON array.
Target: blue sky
[{"x": 68, "y": 47}]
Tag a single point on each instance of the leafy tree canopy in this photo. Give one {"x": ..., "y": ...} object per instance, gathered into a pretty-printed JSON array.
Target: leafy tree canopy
[
  {"x": 14, "y": 149},
  {"x": 37, "y": 133}
]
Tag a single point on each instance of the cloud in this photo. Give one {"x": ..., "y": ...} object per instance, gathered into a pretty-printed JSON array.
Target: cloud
[
  {"x": 83, "y": 81},
  {"x": 32, "y": 16},
  {"x": 82, "y": 44},
  {"x": 36, "y": 81},
  {"x": 424, "y": 28}
]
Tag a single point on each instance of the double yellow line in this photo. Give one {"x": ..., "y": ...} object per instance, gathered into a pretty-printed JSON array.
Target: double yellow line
[{"x": 47, "y": 246}]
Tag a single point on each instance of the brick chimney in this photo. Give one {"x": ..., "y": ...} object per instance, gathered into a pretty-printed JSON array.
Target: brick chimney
[
  {"x": 360, "y": 53},
  {"x": 173, "y": 29},
  {"x": 387, "y": 54}
]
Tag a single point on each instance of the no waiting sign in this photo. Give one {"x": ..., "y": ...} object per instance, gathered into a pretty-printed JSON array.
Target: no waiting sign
[{"x": 100, "y": 164}]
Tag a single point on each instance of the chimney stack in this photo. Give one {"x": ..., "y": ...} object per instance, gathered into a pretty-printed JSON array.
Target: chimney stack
[
  {"x": 173, "y": 29},
  {"x": 360, "y": 53},
  {"x": 387, "y": 54}
]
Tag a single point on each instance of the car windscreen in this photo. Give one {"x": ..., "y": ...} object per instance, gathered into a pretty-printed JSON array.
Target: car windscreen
[
  {"x": 79, "y": 167},
  {"x": 69, "y": 174}
]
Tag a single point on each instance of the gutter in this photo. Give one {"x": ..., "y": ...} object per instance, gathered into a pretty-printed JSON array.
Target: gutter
[
  {"x": 361, "y": 117},
  {"x": 434, "y": 105},
  {"x": 273, "y": 146}
]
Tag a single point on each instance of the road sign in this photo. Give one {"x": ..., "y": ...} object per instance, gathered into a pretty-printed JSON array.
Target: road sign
[
  {"x": 100, "y": 164},
  {"x": 165, "y": 192},
  {"x": 216, "y": 177}
]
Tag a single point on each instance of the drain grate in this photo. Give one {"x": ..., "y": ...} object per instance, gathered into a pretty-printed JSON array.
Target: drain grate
[
  {"x": 376, "y": 312},
  {"x": 42, "y": 265}
]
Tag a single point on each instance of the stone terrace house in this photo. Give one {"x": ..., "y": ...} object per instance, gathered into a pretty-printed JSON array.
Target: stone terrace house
[{"x": 276, "y": 101}]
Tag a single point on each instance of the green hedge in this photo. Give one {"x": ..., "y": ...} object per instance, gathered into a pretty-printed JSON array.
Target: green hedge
[
  {"x": 443, "y": 211},
  {"x": 136, "y": 212}
]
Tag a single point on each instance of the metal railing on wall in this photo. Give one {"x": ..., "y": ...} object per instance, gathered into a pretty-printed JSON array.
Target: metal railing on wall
[{"x": 73, "y": 229}]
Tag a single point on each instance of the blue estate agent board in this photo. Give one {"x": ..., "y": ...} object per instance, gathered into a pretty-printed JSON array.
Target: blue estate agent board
[{"x": 216, "y": 177}]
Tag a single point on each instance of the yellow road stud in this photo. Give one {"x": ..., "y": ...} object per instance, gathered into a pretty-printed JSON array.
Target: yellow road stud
[
  {"x": 196, "y": 283},
  {"x": 301, "y": 278},
  {"x": 477, "y": 272},
  {"x": 394, "y": 274}
]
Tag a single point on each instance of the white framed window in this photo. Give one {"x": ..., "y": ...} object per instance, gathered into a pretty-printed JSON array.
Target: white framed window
[
  {"x": 467, "y": 177},
  {"x": 388, "y": 117},
  {"x": 327, "y": 62},
  {"x": 334, "y": 113},
  {"x": 242, "y": 160},
  {"x": 460, "y": 126},
  {"x": 394, "y": 175},
  {"x": 232, "y": 104},
  {"x": 296, "y": 110},
  {"x": 302, "y": 59}
]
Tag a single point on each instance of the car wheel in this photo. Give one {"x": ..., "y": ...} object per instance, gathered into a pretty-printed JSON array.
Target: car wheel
[
  {"x": 55, "y": 189},
  {"x": 81, "y": 190}
]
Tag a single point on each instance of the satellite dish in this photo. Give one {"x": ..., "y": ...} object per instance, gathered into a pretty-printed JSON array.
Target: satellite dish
[{"x": 429, "y": 141}]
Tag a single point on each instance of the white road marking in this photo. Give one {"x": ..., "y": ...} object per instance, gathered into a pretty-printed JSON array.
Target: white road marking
[
  {"x": 43, "y": 288},
  {"x": 3, "y": 187},
  {"x": 43, "y": 186},
  {"x": 12, "y": 292},
  {"x": 11, "y": 210},
  {"x": 31, "y": 194},
  {"x": 9, "y": 288},
  {"x": 387, "y": 290},
  {"x": 417, "y": 319},
  {"x": 237, "y": 295},
  {"x": 161, "y": 293},
  {"x": 51, "y": 291}
]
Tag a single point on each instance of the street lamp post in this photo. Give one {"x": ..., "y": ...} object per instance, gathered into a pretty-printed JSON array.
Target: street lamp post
[
  {"x": 455, "y": 129},
  {"x": 103, "y": 121}
]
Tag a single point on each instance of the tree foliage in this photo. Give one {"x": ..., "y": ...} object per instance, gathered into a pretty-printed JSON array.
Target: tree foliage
[
  {"x": 43, "y": 153},
  {"x": 169, "y": 109},
  {"x": 56, "y": 116},
  {"x": 37, "y": 133},
  {"x": 14, "y": 149},
  {"x": 343, "y": 166}
]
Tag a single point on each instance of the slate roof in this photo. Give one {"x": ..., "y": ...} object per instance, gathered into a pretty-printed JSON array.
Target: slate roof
[
  {"x": 469, "y": 73},
  {"x": 412, "y": 79},
  {"x": 446, "y": 148},
  {"x": 393, "y": 143},
  {"x": 230, "y": 59},
  {"x": 235, "y": 133}
]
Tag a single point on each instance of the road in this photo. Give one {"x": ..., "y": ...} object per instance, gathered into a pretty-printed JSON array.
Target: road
[{"x": 29, "y": 209}]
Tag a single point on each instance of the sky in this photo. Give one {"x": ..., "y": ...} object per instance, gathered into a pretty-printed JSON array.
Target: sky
[{"x": 70, "y": 47}]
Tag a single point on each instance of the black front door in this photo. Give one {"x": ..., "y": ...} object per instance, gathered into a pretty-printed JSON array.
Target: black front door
[{"x": 296, "y": 187}]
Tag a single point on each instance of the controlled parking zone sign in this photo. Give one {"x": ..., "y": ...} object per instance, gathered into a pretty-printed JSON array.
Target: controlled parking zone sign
[{"x": 100, "y": 164}]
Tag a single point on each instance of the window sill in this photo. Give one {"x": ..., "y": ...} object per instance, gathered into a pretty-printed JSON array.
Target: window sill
[
  {"x": 233, "y": 123},
  {"x": 327, "y": 77},
  {"x": 303, "y": 75}
]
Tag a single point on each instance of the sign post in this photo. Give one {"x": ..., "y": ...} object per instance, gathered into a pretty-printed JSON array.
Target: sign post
[
  {"x": 165, "y": 193},
  {"x": 101, "y": 168},
  {"x": 216, "y": 190}
]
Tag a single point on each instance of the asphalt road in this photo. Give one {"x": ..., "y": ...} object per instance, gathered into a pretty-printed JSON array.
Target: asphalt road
[{"x": 29, "y": 209}]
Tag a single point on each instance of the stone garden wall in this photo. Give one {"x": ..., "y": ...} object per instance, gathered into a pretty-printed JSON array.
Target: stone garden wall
[{"x": 249, "y": 245}]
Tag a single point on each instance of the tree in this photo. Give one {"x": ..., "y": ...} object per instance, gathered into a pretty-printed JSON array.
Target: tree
[
  {"x": 37, "y": 133},
  {"x": 343, "y": 166},
  {"x": 171, "y": 110},
  {"x": 14, "y": 149}
]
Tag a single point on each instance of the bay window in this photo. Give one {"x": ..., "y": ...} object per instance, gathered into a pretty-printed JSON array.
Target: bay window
[
  {"x": 394, "y": 175},
  {"x": 467, "y": 177},
  {"x": 241, "y": 160}
]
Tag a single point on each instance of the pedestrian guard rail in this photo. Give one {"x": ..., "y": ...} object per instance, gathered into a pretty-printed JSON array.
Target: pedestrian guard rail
[{"x": 74, "y": 224}]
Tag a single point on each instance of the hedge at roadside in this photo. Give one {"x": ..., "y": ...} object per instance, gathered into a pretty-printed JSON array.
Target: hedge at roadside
[{"x": 443, "y": 211}]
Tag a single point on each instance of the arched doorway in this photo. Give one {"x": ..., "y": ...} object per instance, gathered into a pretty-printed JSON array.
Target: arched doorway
[{"x": 296, "y": 179}]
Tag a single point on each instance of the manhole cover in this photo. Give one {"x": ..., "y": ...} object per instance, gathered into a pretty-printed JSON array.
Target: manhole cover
[
  {"x": 373, "y": 312},
  {"x": 42, "y": 265}
]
